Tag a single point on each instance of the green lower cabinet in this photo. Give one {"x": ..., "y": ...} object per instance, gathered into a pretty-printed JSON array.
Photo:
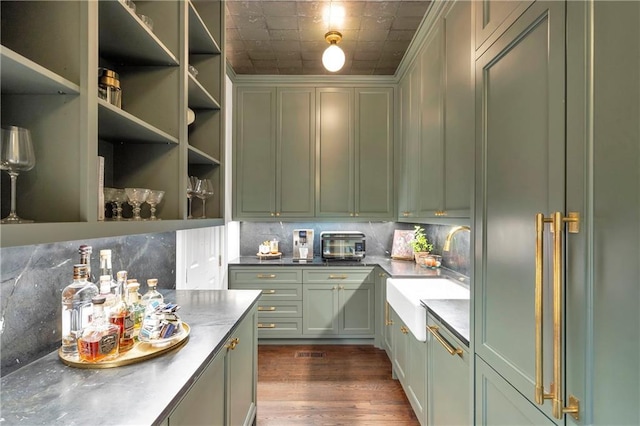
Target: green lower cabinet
[
  {"x": 448, "y": 378},
  {"x": 226, "y": 391},
  {"x": 409, "y": 365},
  {"x": 499, "y": 403}
]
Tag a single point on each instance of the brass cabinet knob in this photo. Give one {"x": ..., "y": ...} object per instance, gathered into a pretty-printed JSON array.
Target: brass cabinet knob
[{"x": 233, "y": 343}]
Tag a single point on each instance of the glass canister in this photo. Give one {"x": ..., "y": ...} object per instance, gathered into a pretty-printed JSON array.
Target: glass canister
[{"x": 109, "y": 87}]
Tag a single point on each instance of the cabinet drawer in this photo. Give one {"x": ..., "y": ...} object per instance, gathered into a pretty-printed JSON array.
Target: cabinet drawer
[
  {"x": 272, "y": 291},
  {"x": 265, "y": 275},
  {"x": 279, "y": 327},
  {"x": 268, "y": 309},
  {"x": 338, "y": 276}
]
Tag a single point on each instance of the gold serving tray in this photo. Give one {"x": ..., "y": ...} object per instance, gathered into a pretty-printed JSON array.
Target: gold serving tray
[
  {"x": 141, "y": 351},
  {"x": 269, "y": 255}
]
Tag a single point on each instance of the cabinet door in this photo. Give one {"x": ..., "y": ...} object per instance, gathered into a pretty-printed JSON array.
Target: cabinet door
[
  {"x": 399, "y": 343},
  {"x": 416, "y": 388},
  {"x": 430, "y": 170},
  {"x": 357, "y": 314},
  {"x": 521, "y": 136},
  {"x": 255, "y": 151},
  {"x": 374, "y": 153},
  {"x": 492, "y": 14},
  {"x": 295, "y": 163},
  {"x": 381, "y": 315},
  {"x": 204, "y": 402},
  {"x": 335, "y": 133},
  {"x": 242, "y": 363},
  {"x": 448, "y": 381},
  {"x": 407, "y": 160},
  {"x": 459, "y": 120},
  {"x": 320, "y": 309},
  {"x": 499, "y": 403}
]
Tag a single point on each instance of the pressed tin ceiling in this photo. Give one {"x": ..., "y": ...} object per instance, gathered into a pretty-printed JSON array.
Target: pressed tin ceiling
[{"x": 282, "y": 37}]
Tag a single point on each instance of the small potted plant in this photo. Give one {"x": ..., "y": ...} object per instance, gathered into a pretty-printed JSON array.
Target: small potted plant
[{"x": 420, "y": 245}]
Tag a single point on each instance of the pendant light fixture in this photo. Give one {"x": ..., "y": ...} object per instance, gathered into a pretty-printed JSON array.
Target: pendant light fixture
[{"x": 333, "y": 56}]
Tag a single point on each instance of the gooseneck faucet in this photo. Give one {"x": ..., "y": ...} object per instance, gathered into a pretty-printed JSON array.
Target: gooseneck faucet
[{"x": 454, "y": 230}]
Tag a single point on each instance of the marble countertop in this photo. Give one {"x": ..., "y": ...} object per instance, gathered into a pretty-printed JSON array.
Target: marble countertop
[
  {"x": 453, "y": 314},
  {"x": 47, "y": 392}
]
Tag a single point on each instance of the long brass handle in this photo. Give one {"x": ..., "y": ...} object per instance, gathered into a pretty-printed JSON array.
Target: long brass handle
[
  {"x": 337, "y": 277},
  {"x": 433, "y": 329},
  {"x": 557, "y": 390},
  {"x": 260, "y": 325},
  {"x": 268, "y": 291},
  {"x": 233, "y": 343},
  {"x": 265, "y": 276},
  {"x": 387, "y": 319},
  {"x": 266, "y": 308}
]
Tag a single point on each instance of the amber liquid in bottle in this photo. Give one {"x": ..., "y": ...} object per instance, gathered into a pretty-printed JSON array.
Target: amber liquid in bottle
[
  {"x": 97, "y": 348},
  {"x": 125, "y": 323}
]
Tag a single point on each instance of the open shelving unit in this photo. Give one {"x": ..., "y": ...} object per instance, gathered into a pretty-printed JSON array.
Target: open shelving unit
[{"x": 51, "y": 88}]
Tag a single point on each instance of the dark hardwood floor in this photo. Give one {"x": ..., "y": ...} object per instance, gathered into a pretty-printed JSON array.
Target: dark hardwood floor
[{"x": 329, "y": 385}]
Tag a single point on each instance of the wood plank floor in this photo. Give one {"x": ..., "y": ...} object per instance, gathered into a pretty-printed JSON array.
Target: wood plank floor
[{"x": 329, "y": 385}]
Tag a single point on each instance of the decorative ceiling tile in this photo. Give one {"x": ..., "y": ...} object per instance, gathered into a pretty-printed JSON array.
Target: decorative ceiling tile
[{"x": 287, "y": 37}]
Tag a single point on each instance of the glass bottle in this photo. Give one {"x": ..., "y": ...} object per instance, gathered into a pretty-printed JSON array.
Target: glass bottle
[
  {"x": 152, "y": 297},
  {"x": 100, "y": 339},
  {"x": 76, "y": 308},
  {"x": 121, "y": 315},
  {"x": 105, "y": 290},
  {"x": 106, "y": 269},
  {"x": 136, "y": 307},
  {"x": 85, "y": 259}
]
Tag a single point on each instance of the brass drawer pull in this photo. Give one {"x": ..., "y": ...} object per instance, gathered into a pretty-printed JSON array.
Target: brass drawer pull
[
  {"x": 404, "y": 329},
  {"x": 433, "y": 329},
  {"x": 264, "y": 276},
  {"x": 268, "y": 291},
  {"x": 337, "y": 277},
  {"x": 233, "y": 343},
  {"x": 265, "y": 308},
  {"x": 260, "y": 325}
]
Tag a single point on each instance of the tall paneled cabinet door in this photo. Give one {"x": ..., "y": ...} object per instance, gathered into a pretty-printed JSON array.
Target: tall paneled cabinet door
[
  {"x": 520, "y": 86},
  {"x": 355, "y": 153},
  {"x": 493, "y": 14},
  {"x": 275, "y": 152}
]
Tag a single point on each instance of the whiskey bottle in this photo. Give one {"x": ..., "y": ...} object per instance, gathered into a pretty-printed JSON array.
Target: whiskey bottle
[
  {"x": 133, "y": 299},
  {"x": 100, "y": 339},
  {"x": 152, "y": 297},
  {"x": 121, "y": 315},
  {"x": 76, "y": 308},
  {"x": 85, "y": 259}
]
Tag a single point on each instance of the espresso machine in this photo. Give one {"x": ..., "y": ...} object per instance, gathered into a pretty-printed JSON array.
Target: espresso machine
[{"x": 302, "y": 245}]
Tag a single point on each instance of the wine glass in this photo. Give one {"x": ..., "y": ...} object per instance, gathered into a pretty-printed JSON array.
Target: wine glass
[
  {"x": 204, "y": 190},
  {"x": 192, "y": 181},
  {"x": 118, "y": 197},
  {"x": 136, "y": 196},
  {"x": 154, "y": 198},
  {"x": 108, "y": 199},
  {"x": 16, "y": 155}
]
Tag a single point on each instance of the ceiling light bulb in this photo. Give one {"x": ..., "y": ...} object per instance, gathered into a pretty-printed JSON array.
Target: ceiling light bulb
[{"x": 333, "y": 56}]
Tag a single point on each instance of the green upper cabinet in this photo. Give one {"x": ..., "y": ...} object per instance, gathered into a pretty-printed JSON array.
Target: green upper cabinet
[
  {"x": 355, "y": 153},
  {"x": 275, "y": 152},
  {"x": 437, "y": 122},
  {"x": 492, "y": 14}
]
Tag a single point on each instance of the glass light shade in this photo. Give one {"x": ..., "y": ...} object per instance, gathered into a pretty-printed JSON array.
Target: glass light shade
[{"x": 333, "y": 58}]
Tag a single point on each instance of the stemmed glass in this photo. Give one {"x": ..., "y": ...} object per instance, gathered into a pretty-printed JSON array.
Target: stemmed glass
[
  {"x": 136, "y": 196},
  {"x": 154, "y": 198},
  {"x": 204, "y": 190},
  {"x": 108, "y": 199},
  {"x": 192, "y": 181},
  {"x": 119, "y": 196},
  {"x": 16, "y": 155}
]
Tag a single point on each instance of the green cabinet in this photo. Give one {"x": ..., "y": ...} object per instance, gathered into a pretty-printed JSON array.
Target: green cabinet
[
  {"x": 448, "y": 377},
  {"x": 274, "y": 152},
  {"x": 381, "y": 314},
  {"x": 226, "y": 391},
  {"x": 338, "y": 302},
  {"x": 409, "y": 363},
  {"x": 280, "y": 305},
  {"x": 437, "y": 122},
  {"x": 355, "y": 153}
]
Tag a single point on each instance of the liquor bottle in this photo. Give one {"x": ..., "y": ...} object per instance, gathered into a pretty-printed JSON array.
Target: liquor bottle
[
  {"x": 100, "y": 339},
  {"x": 121, "y": 315},
  {"x": 85, "y": 259},
  {"x": 152, "y": 297},
  {"x": 76, "y": 308},
  {"x": 135, "y": 306},
  {"x": 106, "y": 269},
  {"x": 105, "y": 290}
]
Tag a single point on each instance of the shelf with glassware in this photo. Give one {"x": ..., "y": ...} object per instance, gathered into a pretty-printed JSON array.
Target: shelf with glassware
[{"x": 144, "y": 134}]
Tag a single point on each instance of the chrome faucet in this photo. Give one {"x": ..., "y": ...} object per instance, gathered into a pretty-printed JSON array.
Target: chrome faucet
[{"x": 454, "y": 230}]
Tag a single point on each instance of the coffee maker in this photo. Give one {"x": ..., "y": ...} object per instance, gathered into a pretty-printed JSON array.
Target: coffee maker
[{"x": 302, "y": 245}]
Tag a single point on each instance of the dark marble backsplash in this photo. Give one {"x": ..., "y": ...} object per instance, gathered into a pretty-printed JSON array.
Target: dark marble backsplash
[
  {"x": 32, "y": 279},
  {"x": 379, "y": 239}
]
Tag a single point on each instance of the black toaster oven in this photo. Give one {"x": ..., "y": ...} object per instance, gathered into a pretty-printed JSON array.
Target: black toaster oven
[{"x": 342, "y": 245}]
